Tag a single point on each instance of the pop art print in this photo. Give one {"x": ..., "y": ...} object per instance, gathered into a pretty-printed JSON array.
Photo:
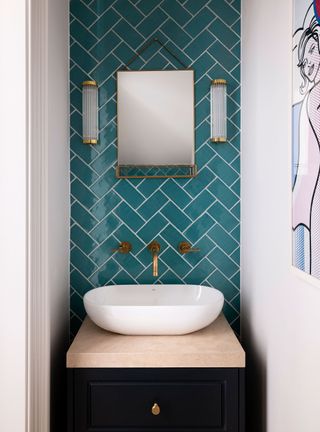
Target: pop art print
[{"x": 306, "y": 137}]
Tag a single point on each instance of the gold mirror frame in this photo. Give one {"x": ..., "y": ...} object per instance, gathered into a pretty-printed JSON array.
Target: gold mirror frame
[{"x": 190, "y": 170}]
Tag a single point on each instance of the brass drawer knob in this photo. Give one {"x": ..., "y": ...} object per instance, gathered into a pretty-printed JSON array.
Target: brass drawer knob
[{"x": 155, "y": 409}]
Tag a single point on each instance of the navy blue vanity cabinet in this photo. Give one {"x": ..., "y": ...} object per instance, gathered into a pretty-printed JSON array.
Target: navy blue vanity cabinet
[{"x": 156, "y": 400}]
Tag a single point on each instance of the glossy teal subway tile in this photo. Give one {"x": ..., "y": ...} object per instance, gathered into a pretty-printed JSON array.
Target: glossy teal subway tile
[
  {"x": 223, "y": 262},
  {"x": 152, "y": 228},
  {"x": 105, "y": 160},
  {"x": 105, "y": 45},
  {"x": 205, "y": 246},
  {"x": 227, "y": 13},
  {"x": 105, "y": 228},
  {"x": 175, "y": 261},
  {"x": 236, "y": 279},
  {"x": 195, "y": 6},
  {"x": 201, "y": 20},
  {"x": 225, "y": 171},
  {"x": 77, "y": 305},
  {"x": 203, "y": 110},
  {"x": 194, "y": 48},
  {"x": 77, "y": 76},
  {"x": 223, "y": 193},
  {"x": 237, "y": 26},
  {"x": 223, "y": 56},
  {"x": 224, "y": 33},
  {"x": 79, "y": 283},
  {"x": 107, "y": 90},
  {"x": 173, "y": 191},
  {"x": 105, "y": 273},
  {"x": 84, "y": 172},
  {"x": 230, "y": 312},
  {"x": 199, "y": 228},
  {"x": 127, "y": 32},
  {"x": 82, "y": 240},
  {"x": 82, "y": 262},
  {"x": 150, "y": 24},
  {"x": 203, "y": 179},
  {"x": 146, "y": 6},
  {"x": 199, "y": 205},
  {"x": 176, "y": 33},
  {"x": 199, "y": 273},
  {"x": 104, "y": 251},
  {"x": 236, "y": 50},
  {"x": 221, "y": 238},
  {"x": 130, "y": 263},
  {"x": 236, "y": 211},
  {"x": 236, "y": 302},
  {"x": 149, "y": 186},
  {"x": 104, "y": 70},
  {"x": 128, "y": 12},
  {"x": 235, "y": 256},
  {"x": 81, "y": 12},
  {"x": 223, "y": 216},
  {"x": 236, "y": 187},
  {"x": 123, "y": 278},
  {"x": 105, "y": 205},
  {"x": 201, "y": 91},
  {"x": 104, "y": 183},
  {"x": 100, "y": 6},
  {"x": 176, "y": 216},
  {"x": 82, "y": 57},
  {"x": 204, "y": 154},
  {"x": 83, "y": 217},
  {"x": 123, "y": 233},
  {"x": 153, "y": 205},
  {"x": 131, "y": 195},
  {"x": 85, "y": 38},
  {"x": 202, "y": 64},
  {"x": 170, "y": 278},
  {"x": 175, "y": 10},
  {"x": 76, "y": 99},
  {"x": 129, "y": 216},
  {"x": 105, "y": 22},
  {"x": 83, "y": 194}
]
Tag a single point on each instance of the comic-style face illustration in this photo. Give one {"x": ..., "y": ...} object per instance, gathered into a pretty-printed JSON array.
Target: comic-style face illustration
[{"x": 311, "y": 60}]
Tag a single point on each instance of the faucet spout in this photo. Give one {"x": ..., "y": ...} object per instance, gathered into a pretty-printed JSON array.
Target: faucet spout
[{"x": 154, "y": 248}]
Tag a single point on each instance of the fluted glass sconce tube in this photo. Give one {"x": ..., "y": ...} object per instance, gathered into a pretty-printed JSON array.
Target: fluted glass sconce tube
[
  {"x": 219, "y": 110},
  {"x": 90, "y": 112}
]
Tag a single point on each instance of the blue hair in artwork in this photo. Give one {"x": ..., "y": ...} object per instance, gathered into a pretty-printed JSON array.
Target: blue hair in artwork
[{"x": 316, "y": 7}]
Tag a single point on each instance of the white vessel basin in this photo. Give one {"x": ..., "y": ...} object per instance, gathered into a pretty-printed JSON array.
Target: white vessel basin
[{"x": 153, "y": 309}]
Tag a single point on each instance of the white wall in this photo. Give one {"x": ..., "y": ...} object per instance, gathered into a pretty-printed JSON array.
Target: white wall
[
  {"x": 280, "y": 306},
  {"x": 58, "y": 204},
  {"x": 13, "y": 222}
]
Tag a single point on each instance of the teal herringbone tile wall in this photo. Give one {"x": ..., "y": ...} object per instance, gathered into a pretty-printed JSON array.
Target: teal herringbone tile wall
[{"x": 204, "y": 210}]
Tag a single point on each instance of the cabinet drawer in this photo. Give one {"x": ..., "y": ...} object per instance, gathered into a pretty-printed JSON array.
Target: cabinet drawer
[
  {"x": 110, "y": 402},
  {"x": 181, "y": 405}
]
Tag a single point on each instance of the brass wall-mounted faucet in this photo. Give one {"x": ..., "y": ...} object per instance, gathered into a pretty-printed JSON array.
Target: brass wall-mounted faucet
[
  {"x": 185, "y": 247},
  {"x": 154, "y": 248},
  {"x": 124, "y": 248}
]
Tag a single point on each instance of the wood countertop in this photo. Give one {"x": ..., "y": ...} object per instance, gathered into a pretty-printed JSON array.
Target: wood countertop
[{"x": 214, "y": 346}]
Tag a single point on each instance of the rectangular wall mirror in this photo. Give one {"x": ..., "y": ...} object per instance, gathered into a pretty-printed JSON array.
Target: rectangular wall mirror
[{"x": 156, "y": 124}]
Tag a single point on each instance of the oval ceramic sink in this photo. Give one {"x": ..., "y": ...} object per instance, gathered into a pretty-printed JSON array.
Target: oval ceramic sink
[{"x": 153, "y": 309}]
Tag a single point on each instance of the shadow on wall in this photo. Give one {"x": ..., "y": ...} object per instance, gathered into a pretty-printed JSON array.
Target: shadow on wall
[
  {"x": 256, "y": 391},
  {"x": 58, "y": 383}
]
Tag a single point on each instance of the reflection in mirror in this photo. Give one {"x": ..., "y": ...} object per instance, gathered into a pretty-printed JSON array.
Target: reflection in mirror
[{"x": 156, "y": 123}]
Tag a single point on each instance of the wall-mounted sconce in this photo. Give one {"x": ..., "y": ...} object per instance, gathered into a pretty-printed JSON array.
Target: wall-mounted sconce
[
  {"x": 90, "y": 112},
  {"x": 219, "y": 110}
]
